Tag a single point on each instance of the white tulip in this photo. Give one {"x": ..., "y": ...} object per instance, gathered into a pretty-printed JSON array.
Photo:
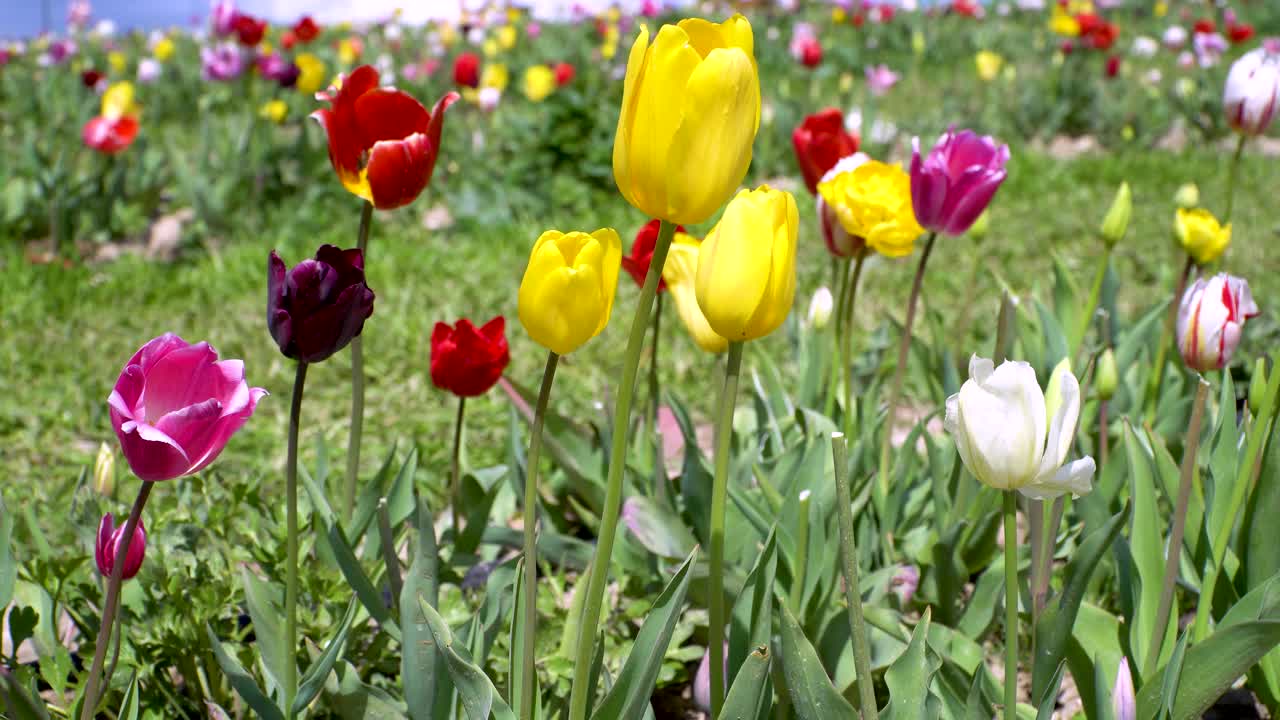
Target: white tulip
[
  {"x": 1252, "y": 90},
  {"x": 820, "y": 308},
  {"x": 1001, "y": 425}
]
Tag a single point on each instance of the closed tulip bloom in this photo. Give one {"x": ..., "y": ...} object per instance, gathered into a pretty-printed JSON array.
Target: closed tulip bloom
[
  {"x": 873, "y": 202},
  {"x": 680, "y": 274},
  {"x": 567, "y": 291},
  {"x": 382, "y": 142},
  {"x": 747, "y": 265},
  {"x": 820, "y": 142},
  {"x": 539, "y": 82},
  {"x": 466, "y": 360},
  {"x": 821, "y": 307},
  {"x": 955, "y": 183},
  {"x": 1124, "y": 704},
  {"x": 840, "y": 242},
  {"x": 317, "y": 308},
  {"x": 1200, "y": 234},
  {"x": 175, "y": 406},
  {"x": 110, "y": 538},
  {"x": 1211, "y": 320},
  {"x": 116, "y": 127},
  {"x": 1006, "y": 437},
  {"x": 1252, "y": 91},
  {"x": 690, "y": 112},
  {"x": 637, "y": 262}
]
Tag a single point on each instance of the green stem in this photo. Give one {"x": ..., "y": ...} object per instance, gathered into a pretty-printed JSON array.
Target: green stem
[
  {"x": 357, "y": 378},
  {"x": 853, "y": 593},
  {"x": 112, "y": 605},
  {"x": 1232, "y": 175},
  {"x": 1091, "y": 307},
  {"x": 584, "y": 652},
  {"x": 840, "y": 267},
  {"x": 846, "y": 354},
  {"x": 1174, "y": 551},
  {"x": 291, "y": 520},
  {"x": 1010, "y": 605},
  {"x": 802, "y": 555},
  {"x": 1166, "y": 334},
  {"x": 455, "y": 468},
  {"x": 719, "y": 494},
  {"x": 527, "y": 676}
]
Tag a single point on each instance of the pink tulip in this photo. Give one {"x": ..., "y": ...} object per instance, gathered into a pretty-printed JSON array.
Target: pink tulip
[
  {"x": 110, "y": 538},
  {"x": 175, "y": 406},
  {"x": 1211, "y": 320},
  {"x": 955, "y": 183}
]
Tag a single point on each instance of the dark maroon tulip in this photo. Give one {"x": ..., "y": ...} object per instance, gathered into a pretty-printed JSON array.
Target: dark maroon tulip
[{"x": 316, "y": 308}]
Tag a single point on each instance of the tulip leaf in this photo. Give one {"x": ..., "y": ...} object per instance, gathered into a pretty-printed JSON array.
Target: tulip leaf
[
  {"x": 751, "y": 693},
  {"x": 8, "y": 567},
  {"x": 400, "y": 499},
  {"x": 367, "y": 504},
  {"x": 316, "y": 675},
  {"x": 554, "y": 548},
  {"x": 751, "y": 620},
  {"x": 1049, "y": 697},
  {"x": 1055, "y": 339},
  {"x": 658, "y": 530},
  {"x": 479, "y": 490},
  {"x": 359, "y": 581},
  {"x": 265, "y": 612},
  {"x": 1147, "y": 549},
  {"x": 629, "y": 697},
  {"x": 908, "y": 677},
  {"x": 418, "y": 656},
  {"x": 243, "y": 683},
  {"x": 20, "y": 702},
  {"x": 1210, "y": 667},
  {"x": 811, "y": 692},
  {"x": 515, "y": 656},
  {"x": 129, "y": 705},
  {"x": 479, "y": 697}
]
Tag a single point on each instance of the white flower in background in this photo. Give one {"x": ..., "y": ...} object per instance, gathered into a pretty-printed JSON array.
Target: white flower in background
[
  {"x": 881, "y": 131},
  {"x": 386, "y": 68},
  {"x": 1153, "y": 76},
  {"x": 1031, "y": 5},
  {"x": 820, "y": 308},
  {"x": 392, "y": 32},
  {"x": 1011, "y": 436},
  {"x": 105, "y": 28},
  {"x": 475, "y": 36},
  {"x": 1175, "y": 37},
  {"x": 148, "y": 70},
  {"x": 1145, "y": 47},
  {"x": 1211, "y": 320},
  {"x": 488, "y": 98},
  {"x": 1250, "y": 97}
]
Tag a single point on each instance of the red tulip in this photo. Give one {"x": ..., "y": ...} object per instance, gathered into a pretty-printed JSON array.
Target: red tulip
[
  {"x": 110, "y": 135},
  {"x": 564, "y": 74},
  {"x": 637, "y": 263},
  {"x": 466, "y": 360},
  {"x": 306, "y": 30},
  {"x": 820, "y": 142},
  {"x": 1205, "y": 26},
  {"x": 110, "y": 538},
  {"x": 249, "y": 30},
  {"x": 1113, "y": 66},
  {"x": 466, "y": 70},
  {"x": 90, "y": 78},
  {"x": 288, "y": 39},
  {"x": 1239, "y": 32},
  {"x": 809, "y": 51},
  {"x": 382, "y": 142}
]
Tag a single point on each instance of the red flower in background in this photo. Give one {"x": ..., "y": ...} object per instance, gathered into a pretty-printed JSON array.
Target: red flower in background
[
  {"x": 466, "y": 70},
  {"x": 564, "y": 74},
  {"x": 249, "y": 30},
  {"x": 1239, "y": 32},
  {"x": 820, "y": 141},
  {"x": 808, "y": 51},
  {"x": 382, "y": 142},
  {"x": 637, "y": 263},
  {"x": 1113, "y": 66},
  {"x": 110, "y": 135},
  {"x": 1206, "y": 26},
  {"x": 90, "y": 78},
  {"x": 966, "y": 8},
  {"x": 466, "y": 360},
  {"x": 306, "y": 30}
]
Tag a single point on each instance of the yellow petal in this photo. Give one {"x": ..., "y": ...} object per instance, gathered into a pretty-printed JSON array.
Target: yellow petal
[
  {"x": 679, "y": 272},
  {"x": 610, "y": 264},
  {"x": 668, "y": 65},
  {"x": 780, "y": 293},
  {"x": 734, "y": 265},
  {"x": 626, "y": 117}
]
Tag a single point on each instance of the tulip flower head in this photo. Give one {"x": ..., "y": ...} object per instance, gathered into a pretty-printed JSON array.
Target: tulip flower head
[
  {"x": 466, "y": 70},
  {"x": 564, "y": 73},
  {"x": 1252, "y": 91},
  {"x": 988, "y": 64},
  {"x": 1200, "y": 234},
  {"x": 880, "y": 79},
  {"x": 107, "y": 548},
  {"x": 637, "y": 263},
  {"x": 116, "y": 127},
  {"x": 567, "y": 291},
  {"x": 539, "y": 82},
  {"x": 1211, "y": 320},
  {"x": 382, "y": 142},
  {"x": 955, "y": 183},
  {"x": 221, "y": 62},
  {"x": 466, "y": 360},
  {"x": 690, "y": 112},
  {"x": 872, "y": 202},
  {"x": 820, "y": 142},
  {"x": 1124, "y": 704},
  {"x": 316, "y": 308},
  {"x": 175, "y": 406},
  {"x": 1006, "y": 437},
  {"x": 311, "y": 73},
  {"x": 746, "y": 279},
  {"x": 680, "y": 275},
  {"x": 306, "y": 30},
  {"x": 820, "y": 308}
]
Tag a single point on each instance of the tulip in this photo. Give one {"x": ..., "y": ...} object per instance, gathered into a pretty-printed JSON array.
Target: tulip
[
  {"x": 539, "y": 82},
  {"x": 880, "y": 79},
  {"x": 274, "y": 67},
  {"x": 1187, "y": 196},
  {"x": 820, "y": 308},
  {"x": 807, "y": 50},
  {"x": 746, "y": 276},
  {"x": 567, "y": 291},
  {"x": 107, "y": 548},
  {"x": 466, "y": 70},
  {"x": 564, "y": 73},
  {"x": 104, "y": 471},
  {"x": 690, "y": 112},
  {"x": 820, "y": 142},
  {"x": 1211, "y": 320},
  {"x": 838, "y": 240},
  {"x": 466, "y": 360},
  {"x": 873, "y": 202},
  {"x": 306, "y": 30},
  {"x": 680, "y": 274},
  {"x": 998, "y": 421},
  {"x": 274, "y": 110},
  {"x": 90, "y": 78},
  {"x": 1175, "y": 37},
  {"x": 1258, "y": 387},
  {"x": 1253, "y": 86},
  {"x": 175, "y": 406},
  {"x": 488, "y": 98},
  {"x": 1116, "y": 222},
  {"x": 382, "y": 142},
  {"x": 222, "y": 62},
  {"x": 162, "y": 49},
  {"x": 988, "y": 64},
  {"x": 318, "y": 307},
  {"x": 955, "y": 183},
  {"x": 223, "y": 17},
  {"x": 116, "y": 127},
  {"x": 637, "y": 263},
  {"x": 1200, "y": 234},
  {"x": 249, "y": 30},
  {"x": 149, "y": 70},
  {"x": 1123, "y": 702},
  {"x": 1108, "y": 375},
  {"x": 495, "y": 75}
]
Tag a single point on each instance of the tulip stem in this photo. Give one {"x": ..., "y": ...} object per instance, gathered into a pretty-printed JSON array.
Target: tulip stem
[
  {"x": 1095, "y": 293},
  {"x": 1174, "y": 550},
  {"x": 527, "y": 674},
  {"x": 357, "y": 378},
  {"x": 719, "y": 494},
  {"x": 1010, "y": 605},
  {"x": 1157, "y": 371},
  {"x": 841, "y": 273},
  {"x": 291, "y": 529},
  {"x": 585, "y": 650},
  {"x": 91, "y": 692},
  {"x": 659, "y": 470},
  {"x": 852, "y": 589},
  {"x": 1233, "y": 173},
  {"x": 455, "y": 468},
  {"x": 904, "y": 350},
  {"x": 846, "y": 352}
]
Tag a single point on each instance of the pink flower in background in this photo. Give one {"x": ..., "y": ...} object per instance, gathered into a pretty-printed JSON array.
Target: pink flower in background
[
  {"x": 221, "y": 62},
  {"x": 223, "y": 16},
  {"x": 650, "y": 8},
  {"x": 1175, "y": 37},
  {"x": 110, "y": 538},
  {"x": 904, "y": 583},
  {"x": 1211, "y": 320},
  {"x": 78, "y": 13},
  {"x": 955, "y": 183},
  {"x": 148, "y": 70},
  {"x": 880, "y": 79},
  {"x": 58, "y": 52},
  {"x": 533, "y": 30},
  {"x": 175, "y": 406},
  {"x": 274, "y": 67},
  {"x": 1209, "y": 48}
]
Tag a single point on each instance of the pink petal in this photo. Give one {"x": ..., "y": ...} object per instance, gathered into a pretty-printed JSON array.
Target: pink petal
[
  {"x": 224, "y": 428},
  {"x": 170, "y": 382},
  {"x": 152, "y": 455}
]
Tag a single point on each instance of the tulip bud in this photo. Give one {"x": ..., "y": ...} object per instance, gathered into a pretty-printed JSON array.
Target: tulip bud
[
  {"x": 1188, "y": 196},
  {"x": 1123, "y": 703},
  {"x": 1258, "y": 386},
  {"x": 904, "y": 583},
  {"x": 110, "y": 538},
  {"x": 1211, "y": 320},
  {"x": 1108, "y": 376},
  {"x": 820, "y": 308},
  {"x": 1116, "y": 223},
  {"x": 567, "y": 291},
  {"x": 104, "y": 471},
  {"x": 978, "y": 230},
  {"x": 316, "y": 308},
  {"x": 1053, "y": 392}
]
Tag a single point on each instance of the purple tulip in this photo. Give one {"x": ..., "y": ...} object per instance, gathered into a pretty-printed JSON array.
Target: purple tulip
[
  {"x": 175, "y": 406},
  {"x": 951, "y": 187},
  {"x": 222, "y": 62},
  {"x": 274, "y": 67},
  {"x": 110, "y": 538},
  {"x": 320, "y": 305}
]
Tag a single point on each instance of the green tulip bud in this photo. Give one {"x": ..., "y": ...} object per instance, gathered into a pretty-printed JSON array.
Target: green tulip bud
[
  {"x": 104, "y": 471},
  {"x": 1258, "y": 386},
  {"x": 1188, "y": 196},
  {"x": 1108, "y": 376},
  {"x": 978, "y": 230},
  {"x": 1116, "y": 223},
  {"x": 1053, "y": 393}
]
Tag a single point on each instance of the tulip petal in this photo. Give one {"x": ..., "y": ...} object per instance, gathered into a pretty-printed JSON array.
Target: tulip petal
[
  {"x": 970, "y": 203},
  {"x": 100, "y": 553},
  {"x": 1062, "y": 427},
  {"x": 399, "y": 170},
  {"x": 189, "y": 426},
  {"x": 679, "y": 272},
  {"x": 610, "y": 264},
  {"x": 171, "y": 382},
  {"x": 622, "y": 166},
  {"x": 734, "y": 265},
  {"x": 387, "y": 114},
  {"x": 779, "y": 295},
  {"x": 222, "y": 430},
  {"x": 1074, "y": 478},
  {"x": 152, "y": 455},
  {"x": 659, "y": 110},
  {"x": 1004, "y": 415}
]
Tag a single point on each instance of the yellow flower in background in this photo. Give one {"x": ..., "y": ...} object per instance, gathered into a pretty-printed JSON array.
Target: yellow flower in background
[
  {"x": 311, "y": 73},
  {"x": 265, "y": 47},
  {"x": 118, "y": 100},
  {"x": 1077, "y": 7},
  {"x": 1063, "y": 23},
  {"x": 274, "y": 110},
  {"x": 917, "y": 42},
  {"x": 690, "y": 113},
  {"x": 494, "y": 75},
  {"x": 163, "y": 49},
  {"x": 513, "y": 14},
  {"x": 680, "y": 272},
  {"x": 1200, "y": 234},
  {"x": 117, "y": 61},
  {"x": 610, "y": 46},
  {"x": 838, "y": 15},
  {"x": 567, "y": 291},
  {"x": 490, "y": 48},
  {"x": 539, "y": 82},
  {"x": 873, "y": 202},
  {"x": 507, "y": 37},
  {"x": 1160, "y": 9},
  {"x": 613, "y": 14},
  {"x": 988, "y": 64},
  {"x": 746, "y": 279},
  {"x": 448, "y": 35},
  {"x": 349, "y": 50}
]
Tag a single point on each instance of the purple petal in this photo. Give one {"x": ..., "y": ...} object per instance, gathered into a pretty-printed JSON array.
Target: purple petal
[
  {"x": 100, "y": 547},
  {"x": 190, "y": 426},
  {"x": 155, "y": 350},
  {"x": 930, "y": 200}
]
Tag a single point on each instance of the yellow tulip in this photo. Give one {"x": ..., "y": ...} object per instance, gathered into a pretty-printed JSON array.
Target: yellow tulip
[
  {"x": 117, "y": 61},
  {"x": 567, "y": 291},
  {"x": 690, "y": 112},
  {"x": 163, "y": 49},
  {"x": 680, "y": 272},
  {"x": 507, "y": 37},
  {"x": 118, "y": 100},
  {"x": 490, "y": 48},
  {"x": 873, "y": 202},
  {"x": 311, "y": 73},
  {"x": 1200, "y": 234},
  {"x": 494, "y": 75},
  {"x": 348, "y": 53},
  {"x": 747, "y": 265},
  {"x": 988, "y": 64},
  {"x": 274, "y": 110},
  {"x": 539, "y": 82},
  {"x": 1063, "y": 23}
]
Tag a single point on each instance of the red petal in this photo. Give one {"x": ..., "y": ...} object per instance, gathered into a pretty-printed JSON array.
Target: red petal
[
  {"x": 399, "y": 170},
  {"x": 385, "y": 114}
]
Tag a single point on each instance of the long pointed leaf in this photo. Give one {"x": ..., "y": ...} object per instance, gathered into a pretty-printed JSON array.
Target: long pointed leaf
[
  {"x": 812, "y": 694},
  {"x": 243, "y": 683},
  {"x": 909, "y": 676},
  {"x": 479, "y": 696},
  {"x": 313, "y": 680},
  {"x": 418, "y": 655},
  {"x": 750, "y": 694}
]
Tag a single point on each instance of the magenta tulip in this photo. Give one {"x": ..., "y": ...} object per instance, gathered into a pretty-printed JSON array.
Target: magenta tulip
[
  {"x": 951, "y": 187},
  {"x": 110, "y": 538},
  {"x": 175, "y": 406}
]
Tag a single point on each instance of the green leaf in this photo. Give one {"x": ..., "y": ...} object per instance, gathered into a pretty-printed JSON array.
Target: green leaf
[
  {"x": 1210, "y": 667},
  {"x": 8, "y": 566},
  {"x": 243, "y": 683},
  {"x": 659, "y": 530},
  {"x": 1147, "y": 548},
  {"x": 418, "y": 655},
  {"x": 1049, "y": 697},
  {"x": 515, "y": 657},
  {"x": 909, "y": 676},
  {"x": 19, "y": 702},
  {"x": 400, "y": 500},
  {"x": 751, "y": 620},
  {"x": 751, "y": 693},
  {"x": 267, "y": 616},
  {"x": 359, "y": 581},
  {"x": 479, "y": 697},
  {"x": 629, "y": 697},
  {"x": 129, "y": 706},
  {"x": 314, "y": 678},
  {"x": 811, "y": 692}
]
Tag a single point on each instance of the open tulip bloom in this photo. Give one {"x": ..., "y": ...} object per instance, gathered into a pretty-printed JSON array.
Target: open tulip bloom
[
  {"x": 1252, "y": 91},
  {"x": 1211, "y": 319},
  {"x": 953, "y": 185},
  {"x": 116, "y": 127}
]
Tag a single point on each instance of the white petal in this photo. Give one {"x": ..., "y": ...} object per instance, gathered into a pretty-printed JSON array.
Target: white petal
[
  {"x": 1062, "y": 428},
  {"x": 1003, "y": 416},
  {"x": 1075, "y": 478}
]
